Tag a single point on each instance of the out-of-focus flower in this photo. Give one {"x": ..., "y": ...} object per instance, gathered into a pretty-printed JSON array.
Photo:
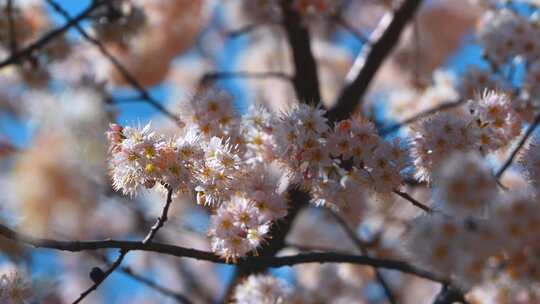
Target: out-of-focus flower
[
  {"x": 453, "y": 246},
  {"x": 464, "y": 184},
  {"x": 237, "y": 228},
  {"x": 170, "y": 28},
  {"x": 263, "y": 289}
]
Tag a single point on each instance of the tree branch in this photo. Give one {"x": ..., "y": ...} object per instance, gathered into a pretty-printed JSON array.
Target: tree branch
[
  {"x": 384, "y": 38},
  {"x": 161, "y": 219},
  {"x": 246, "y": 29},
  {"x": 306, "y": 85},
  {"x": 103, "y": 277},
  {"x": 256, "y": 261},
  {"x": 413, "y": 201},
  {"x": 421, "y": 115},
  {"x": 249, "y": 75},
  {"x": 50, "y": 36},
  {"x": 305, "y": 79}
]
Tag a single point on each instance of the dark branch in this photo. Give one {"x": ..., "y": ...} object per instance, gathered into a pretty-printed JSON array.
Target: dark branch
[
  {"x": 421, "y": 115},
  {"x": 106, "y": 274},
  {"x": 209, "y": 77},
  {"x": 310, "y": 248},
  {"x": 305, "y": 79},
  {"x": 306, "y": 86},
  {"x": 413, "y": 201},
  {"x": 255, "y": 261},
  {"x": 245, "y": 29},
  {"x": 383, "y": 40},
  {"x": 50, "y": 36}
]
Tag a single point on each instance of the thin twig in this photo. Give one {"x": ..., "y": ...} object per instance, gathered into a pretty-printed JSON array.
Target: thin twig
[
  {"x": 161, "y": 219},
  {"x": 246, "y": 29},
  {"x": 309, "y": 248},
  {"x": 106, "y": 274},
  {"x": 421, "y": 115},
  {"x": 416, "y": 203},
  {"x": 355, "y": 32},
  {"x": 123, "y": 251},
  {"x": 362, "y": 247},
  {"x": 148, "y": 282},
  {"x": 209, "y": 77},
  {"x": 520, "y": 145},
  {"x": 121, "y": 69}
]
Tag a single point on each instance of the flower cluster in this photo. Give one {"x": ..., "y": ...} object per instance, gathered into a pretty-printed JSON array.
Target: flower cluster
[
  {"x": 263, "y": 289},
  {"x": 453, "y": 246},
  {"x": 437, "y": 136},
  {"x": 505, "y": 34},
  {"x": 211, "y": 114},
  {"x": 352, "y": 149},
  {"x": 234, "y": 165},
  {"x": 497, "y": 121},
  {"x": 479, "y": 233},
  {"x": 237, "y": 228},
  {"x": 489, "y": 125},
  {"x": 300, "y": 138}
]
